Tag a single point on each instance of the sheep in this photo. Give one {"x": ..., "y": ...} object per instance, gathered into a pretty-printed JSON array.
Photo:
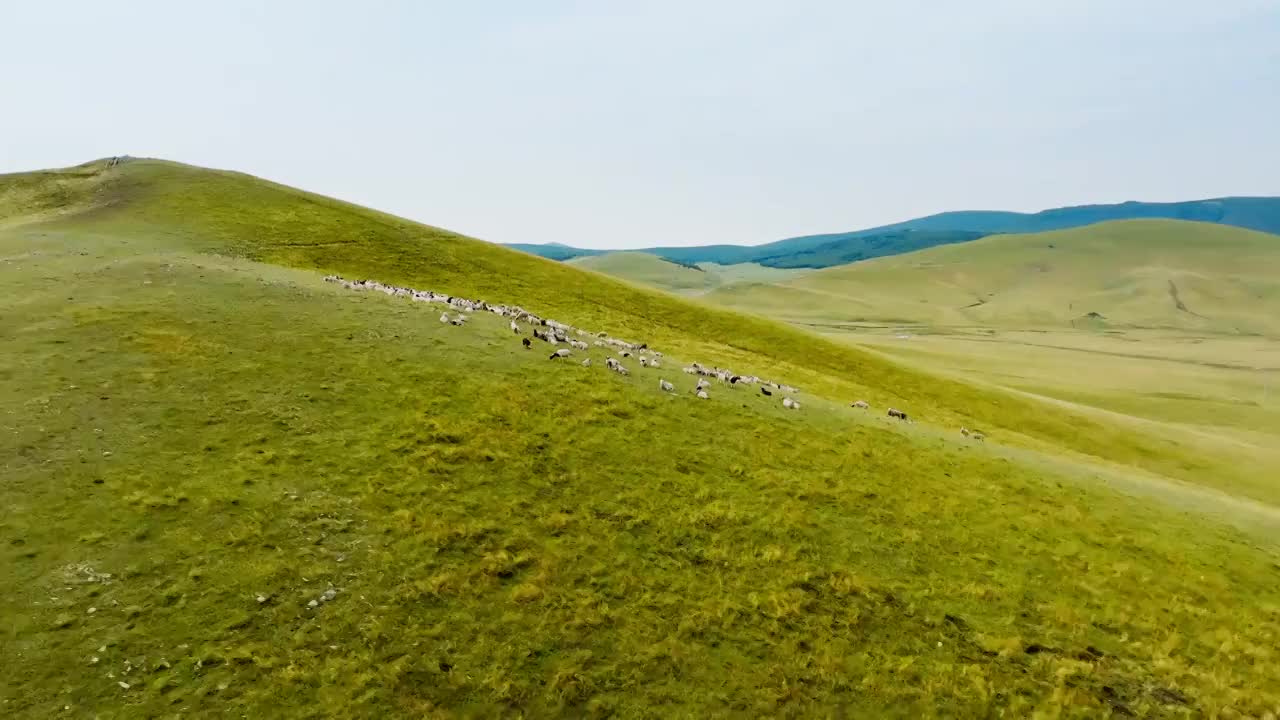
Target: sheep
[
  {"x": 764, "y": 390},
  {"x": 665, "y": 386},
  {"x": 459, "y": 320},
  {"x": 515, "y": 328},
  {"x": 703, "y": 394},
  {"x": 790, "y": 404},
  {"x": 561, "y": 353},
  {"x": 620, "y": 370},
  {"x": 860, "y": 404},
  {"x": 444, "y": 318},
  {"x": 644, "y": 362},
  {"x": 527, "y": 343},
  {"x": 653, "y": 362},
  {"x": 976, "y": 435},
  {"x": 964, "y": 431},
  {"x": 897, "y": 414},
  {"x": 702, "y": 383},
  {"x": 586, "y": 363},
  {"x": 691, "y": 371}
]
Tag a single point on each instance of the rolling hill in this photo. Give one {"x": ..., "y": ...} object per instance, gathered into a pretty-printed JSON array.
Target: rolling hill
[
  {"x": 827, "y": 250},
  {"x": 1136, "y": 274},
  {"x": 650, "y": 270},
  {"x": 653, "y": 271},
  {"x": 233, "y": 488}
]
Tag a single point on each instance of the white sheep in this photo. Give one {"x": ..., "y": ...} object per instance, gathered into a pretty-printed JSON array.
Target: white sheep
[
  {"x": 703, "y": 394},
  {"x": 666, "y": 386},
  {"x": 790, "y": 404},
  {"x": 586, "y": 363}
]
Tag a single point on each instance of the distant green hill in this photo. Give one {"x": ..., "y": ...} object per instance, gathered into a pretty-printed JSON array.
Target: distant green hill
[
  {"x": 1135, "y": 273},
  {"x": 646, "y": 269},
  {"x": 827, "y": 250}
]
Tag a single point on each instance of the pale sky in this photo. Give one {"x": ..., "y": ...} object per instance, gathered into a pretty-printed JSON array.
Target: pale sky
[{"x": 662, "y": 122}]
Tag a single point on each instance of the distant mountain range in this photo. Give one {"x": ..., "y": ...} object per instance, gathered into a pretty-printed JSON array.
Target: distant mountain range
[{"x": 819, "y": 251}]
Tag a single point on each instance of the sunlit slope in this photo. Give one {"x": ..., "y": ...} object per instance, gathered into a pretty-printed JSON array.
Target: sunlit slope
[
  {"x": 173, "y": 206},
  {"x": 1139, "y": 273},
  {"x": 650, "y": 270},
  {"x": 195, "y": 448}
]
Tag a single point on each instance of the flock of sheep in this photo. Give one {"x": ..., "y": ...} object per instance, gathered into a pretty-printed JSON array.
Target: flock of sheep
[{"x": 556, "y": 333}]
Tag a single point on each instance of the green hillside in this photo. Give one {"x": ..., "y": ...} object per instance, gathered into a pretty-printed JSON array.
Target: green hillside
[
  {"x": 651, "y": 270},
  {"x": 232, "y": 488},
  {"x": 1137, "y": 274}
]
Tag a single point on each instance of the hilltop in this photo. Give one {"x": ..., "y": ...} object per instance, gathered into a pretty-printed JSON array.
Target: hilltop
[
  {"x": 234, "y": 488},
  {"x": 831, "y": 249}
]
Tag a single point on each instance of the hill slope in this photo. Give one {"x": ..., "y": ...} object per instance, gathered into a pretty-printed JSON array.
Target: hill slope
[
  {"x": 650, "y": 270},
  {"x": 1152, "y": 273},
  {"x": 234, "y": 488},
  {"x": 827, "y": 250}
]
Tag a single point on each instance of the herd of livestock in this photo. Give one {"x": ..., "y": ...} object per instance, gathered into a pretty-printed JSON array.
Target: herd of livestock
[{"x": 557, "y": 333}]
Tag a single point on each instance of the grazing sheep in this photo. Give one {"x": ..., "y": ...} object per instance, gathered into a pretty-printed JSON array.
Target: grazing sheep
[
  {"x": 586, "y": 363},
  {"x": 790, "y": 404},
  {"x": 964, "y": 431},
  {"x": 561, "y": 353},
  {"x": 702, "y": 383},
  {"x": 653, "y": 362},
  {"x": 527, "y": 343},
  {"x": 444, "y": 318},
  {"x": 515, "y": 328},
  {"x": 691, "y": 371},
  {"x": 459, "y": 320},
  {"x": 666, "y": 386},
  {"x": 703, "y": 394},
  {"x": 978, "y": 436},
  {"x": 897, "y": 414},
  {"x": 644, "y": 362},
  {"x": 765, "y": 390},
  {"x": 617, "y": 367},
  {"x": 861, "y": 404}
]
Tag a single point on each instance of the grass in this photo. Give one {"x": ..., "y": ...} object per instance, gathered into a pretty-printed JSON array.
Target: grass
[
  {"x": 510, "y": 536},
  {"x": 652, "y": 271},
  {"x": 1136, "y": 274}
]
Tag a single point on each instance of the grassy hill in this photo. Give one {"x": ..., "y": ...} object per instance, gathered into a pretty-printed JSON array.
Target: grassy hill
[
  {"x": 1153, "y": 273},
  {"x": 653, "y": 271},
  {"x": 650, "y": 270},
  {"x": 831, "y": 249},
  {"x": 201, "y": 438}
]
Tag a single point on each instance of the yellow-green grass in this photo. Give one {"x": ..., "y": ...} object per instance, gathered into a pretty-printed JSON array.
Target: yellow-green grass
[
  {"x": 646, "y": 269},
  {"x": 652, "y": 271},
  {"x": 1132, "y": 273},
  {"x": 233, "y": 213},
  {"x": 514, "y": 536}
]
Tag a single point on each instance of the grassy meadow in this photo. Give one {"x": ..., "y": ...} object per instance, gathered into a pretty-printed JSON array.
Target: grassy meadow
[
  {"x": 201, "y": 439},
  {"x": 652, "y": 271}
]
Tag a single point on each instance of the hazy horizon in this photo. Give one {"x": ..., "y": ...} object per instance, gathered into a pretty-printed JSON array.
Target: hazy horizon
[{"x": 625, "y": 127}]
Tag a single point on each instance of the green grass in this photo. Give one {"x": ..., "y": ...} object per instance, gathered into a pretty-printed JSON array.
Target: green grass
[
  {"x": 511, "y": 536},
  {"x": 1133, "y": 273},
  {"x": 650, "y": 270}
]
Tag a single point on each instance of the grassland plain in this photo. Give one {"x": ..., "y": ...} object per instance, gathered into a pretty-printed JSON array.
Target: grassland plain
[{"x": 197, "y": 445}]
